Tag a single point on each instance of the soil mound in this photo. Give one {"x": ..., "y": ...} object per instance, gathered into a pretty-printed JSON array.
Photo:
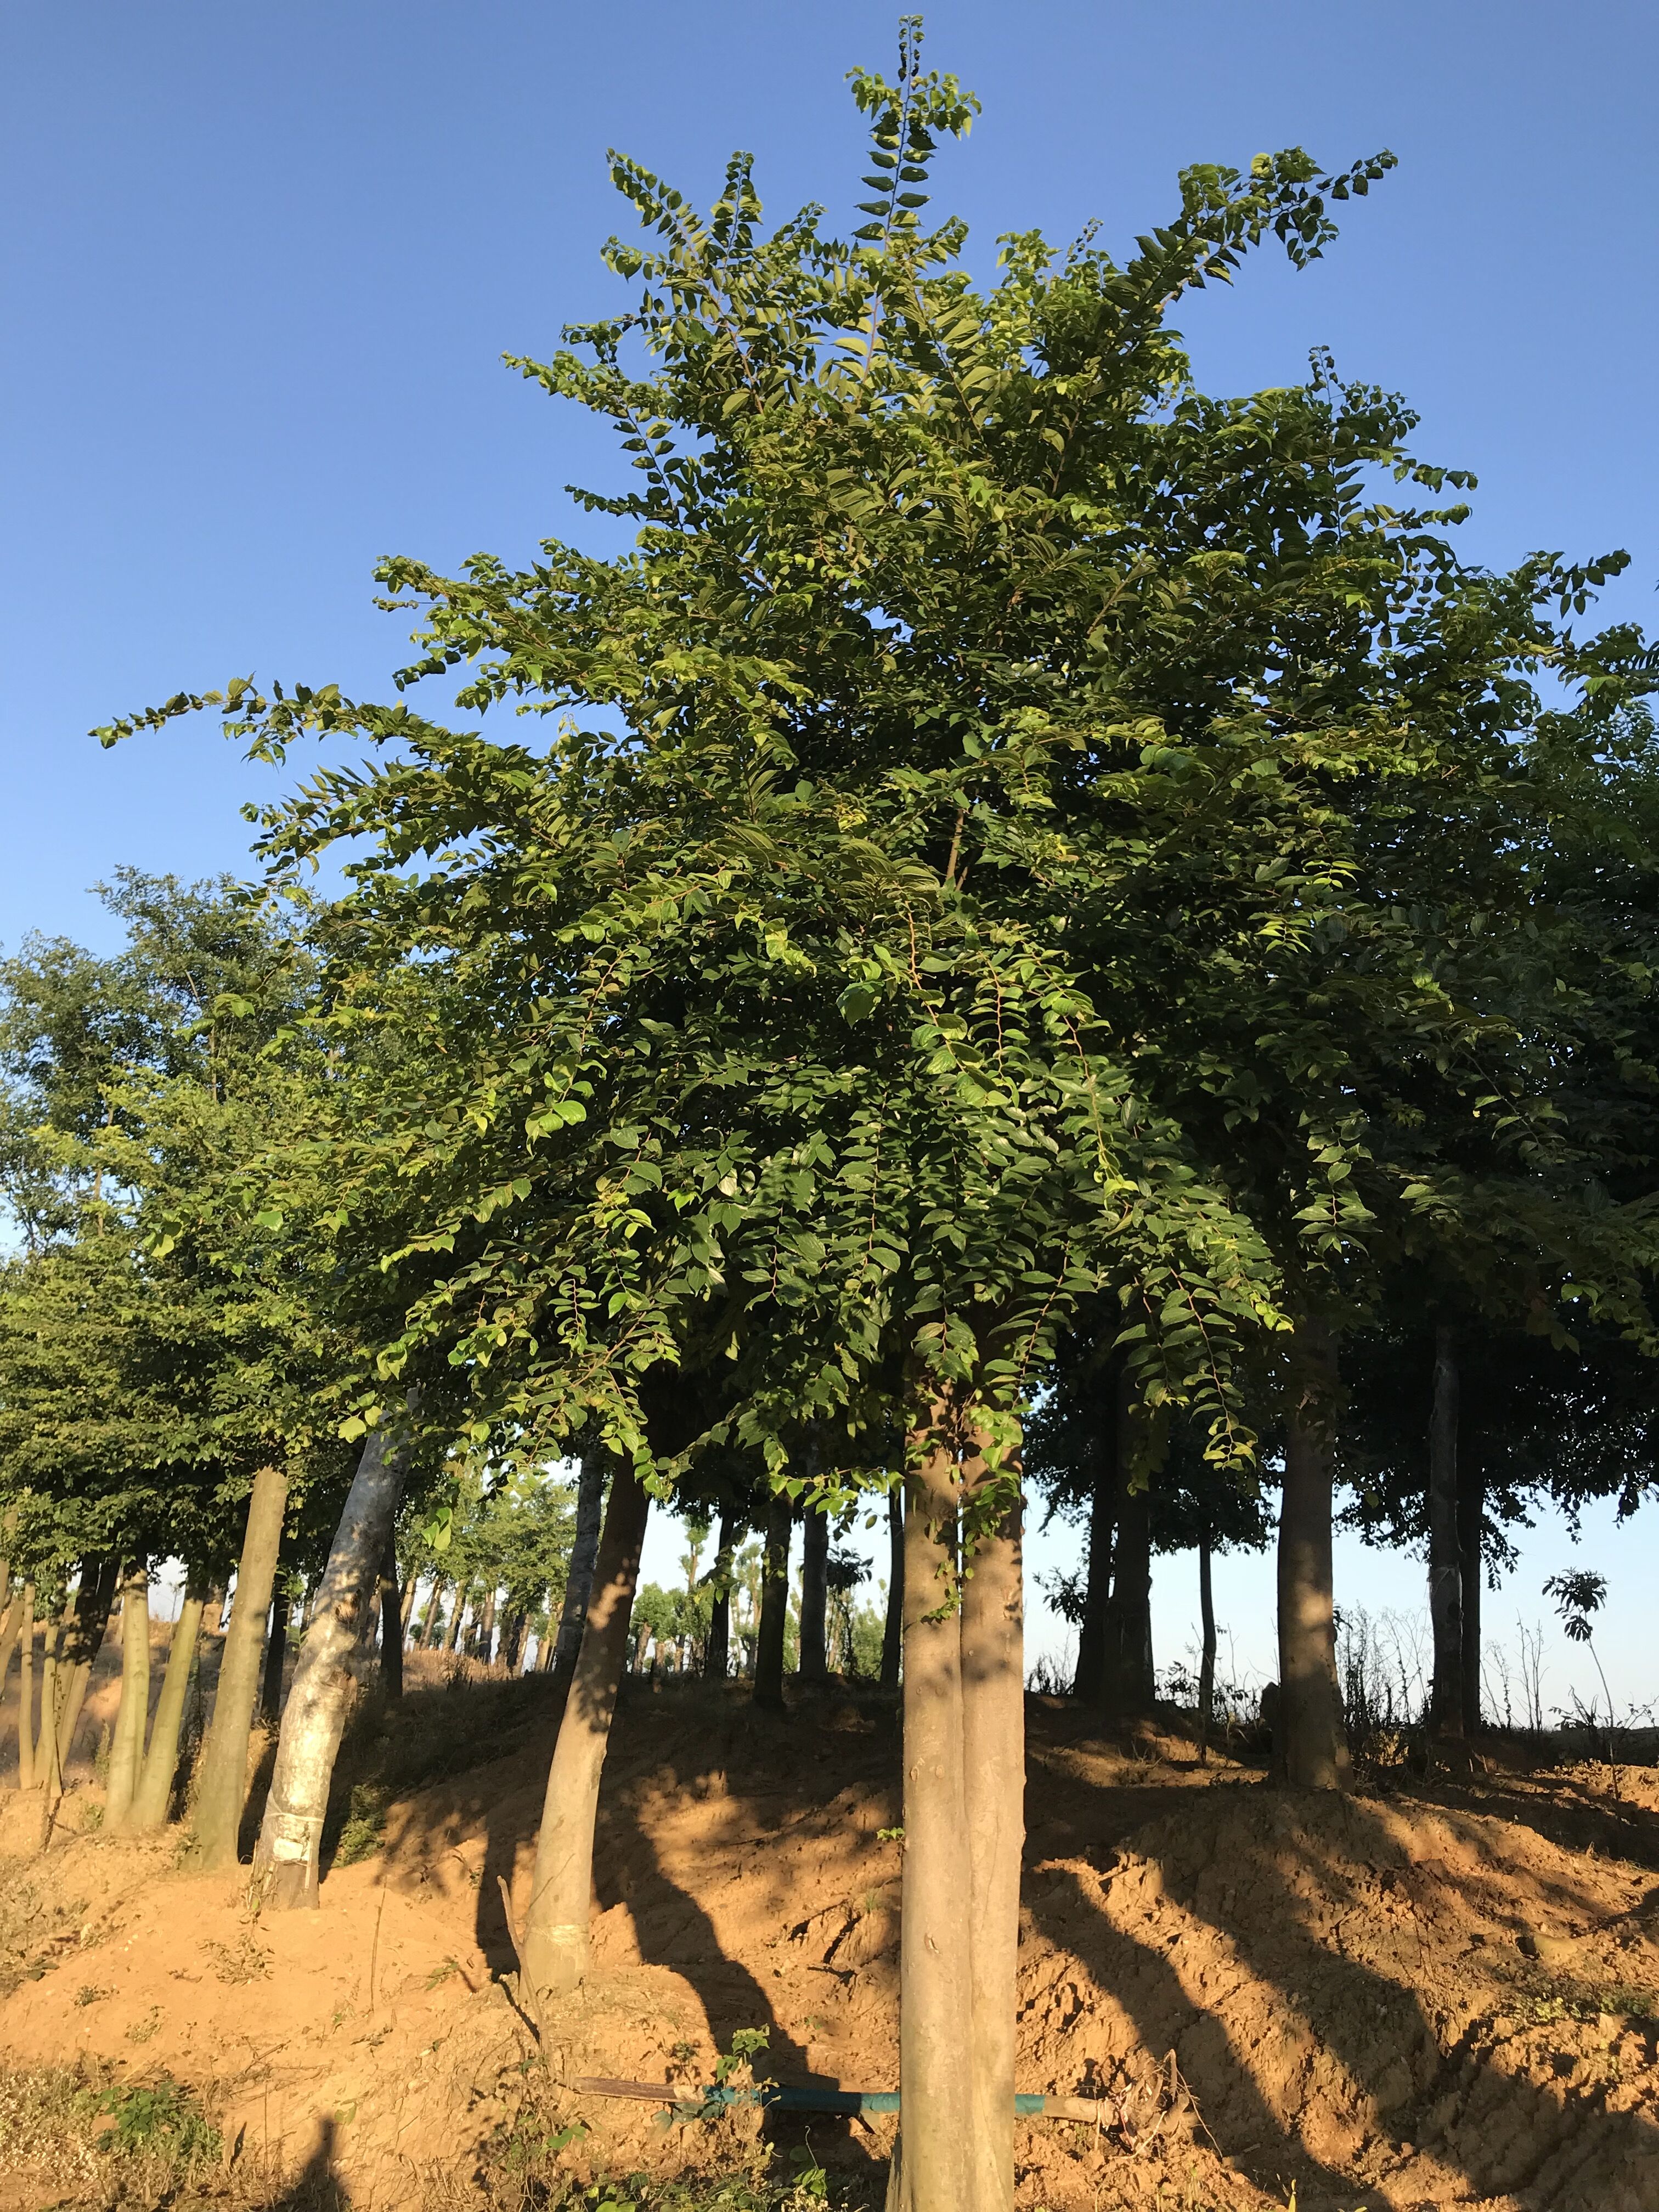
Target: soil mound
[{"x": 1444, "y": 1993}]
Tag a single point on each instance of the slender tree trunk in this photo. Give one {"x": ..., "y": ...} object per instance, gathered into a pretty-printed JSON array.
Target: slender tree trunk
[
  {"x": 1471, "y": 1514},
  {"x": 392, "y": 1625},
  {"x": 717, "y": 1653},
  {"x": 774, "y": 1603},
  {"x": 154, "y": 1792},
  {"x": 892, "y": 1634},
  {"x": 1088, "y": 1683},
  {"x": 1445, "y": 1566},
  {"x": 1310, "y": 1749},
  {"x": 457, "y": 1619},
  {"x": 1129, "y": 1687},
  {"x": 406, "y": 1607},
  {"x": 291, "y": 1834},
  {"x": 47, "y": 1768},
  {"x": 222, "y": 1778},
  {"x": 10, "y": 1627},
  {"x": 814, "y": 1595},
  {"x": 1206, "y": 1659},
  {"x": 554, "y": 1940},
  {"x": 126, "y": 1757},
  {"x": 583, "y": 1554},
  {"x": 487, "y": 1627},
  {"x": 513, "y": 1637},
  {"x": 270, "y": 1688},
  {"x": 26, "y": 1695},
  {"x": 936, "y": 2073},
  {"x": 993, "y": 1771},
  {"x": 82, "y": 1641},
  {"x": 434, "y": 1607}
]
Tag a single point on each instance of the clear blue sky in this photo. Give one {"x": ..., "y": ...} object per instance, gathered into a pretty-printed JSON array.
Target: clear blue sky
[{"x": 261, "y": 264}]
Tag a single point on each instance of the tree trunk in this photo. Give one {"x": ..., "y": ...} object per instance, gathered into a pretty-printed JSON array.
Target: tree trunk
[
  {"x": 486, "y": 1643},
  {"x": 717, "y": 1653},
  {"x": 553, "y": 1943},
  {"x": 1471, "y": 1515},
  {"x": 291, "y": 1834},
  {"x": 1207, "y": 1657},
  {"x": 10, "y": 1627},
  {"x": 126, "y": 1757},
  {"x": 1128, "y": 1684},
  {"x": 936, "y": 2073},
  {"x": 392, "y": 1625},
  {"x": 1310, "y": 1749},
  {"x": 406, "y": 1607},
  {"x": 892, "y": 1633},
  {"x": 270, "y": 1689},
  {"x": 153, "y": 1795},
  {"x": 774, "y": 1602},
  {"x": 451, "y": 1642},
  {"x": 81, "y": 1641},
  {"x": 435, "y": 1616},
  {"x": 222, "y": 1778},
  {"x": 47, "y": 1768},
  {"x": 993, "y": 1773},
  {"x": 1088, "y": 1683},
  {"x": 1445, "y": 1566},
  {"x": 26, "y": 1694},
  {"x": 814, "y": 1595},
  {"x": 583, "y": 1554}
]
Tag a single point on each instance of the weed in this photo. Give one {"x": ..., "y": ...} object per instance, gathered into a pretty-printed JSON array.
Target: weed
[
  {"x": 157, "y": 2116},
  {"x": 141, "y": 2030},
  {"x": 365, "y": 1824},
  {"x": 245, "y": 1960},
  {"x": 89, "y": 1994}
]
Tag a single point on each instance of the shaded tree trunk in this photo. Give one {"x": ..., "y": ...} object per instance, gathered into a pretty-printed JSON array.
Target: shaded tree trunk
[
  {"x": 1471, "y": 1515},
  {"x": 291, "y": 1834},
  {"x": 814, "y": 1595},
  {"x": 993, "y": 1773},
  {"x": 1128, "y": 1684},
  {"x": 153, "y": 1796},
  {"x": 1310, "y": 1749},
  {"x": 774, "y": 1603},
  {"x": 222, "y": 1778},
  {"x": 47, "y": 1768},
  {"x": 486, "y": 1637},
  {"x": 10, "y": 1625},
  {"x": 1206, "y": 1655},
  {"x": 451, "y": 1642},
  {"x": 717, "y": 1653},
  {"x": 584, "y": 1555},
  {"x": 81, "y": 1641},
  {"x": 126, "y": 1756},
  {"x": 1088, "y": 1682},
  {"x": 270, "y": 1689},
  {"x": 406, "y": 1607},
  {"x": 434, "y": 1607},
  {"x": 892, "y": 1634},
  {"x": 1445, "y": 1565},
  {"x": 553, "y": 1943},
  {"x": 26, "y": 1694},
  {"x": 391, "y": 1625}
]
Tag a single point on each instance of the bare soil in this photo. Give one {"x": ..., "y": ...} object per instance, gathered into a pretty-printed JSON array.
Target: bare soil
[{"x": 1444, "y": 1990}]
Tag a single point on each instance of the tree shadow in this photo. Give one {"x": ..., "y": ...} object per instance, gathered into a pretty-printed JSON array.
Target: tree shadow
[
  {"x": 317, "y": 2187},
  {"x": 1398, "y": 2113}
]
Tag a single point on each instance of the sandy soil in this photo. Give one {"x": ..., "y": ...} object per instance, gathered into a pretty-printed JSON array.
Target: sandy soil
[{"x": 1441, "y": 1993}]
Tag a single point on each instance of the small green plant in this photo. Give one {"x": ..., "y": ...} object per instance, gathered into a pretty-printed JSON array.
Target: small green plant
[
  {"x": 889, "y": 1835},
  {"x": 747, "y": 2046},
  {"x": 157, "y": 2115},
  {"x": 88, "y": 1994},
  {"x": 365, "y": 1825},
  {"x": 245, "y": 1960},
  {"x": 141, "y": 2030}
]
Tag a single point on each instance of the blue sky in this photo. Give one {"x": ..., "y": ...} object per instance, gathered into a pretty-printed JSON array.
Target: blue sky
[{"x": 262, "y": 264}]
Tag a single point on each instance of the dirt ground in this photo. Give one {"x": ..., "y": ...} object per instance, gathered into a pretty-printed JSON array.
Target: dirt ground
[{"x": 1445, "y": 1990}]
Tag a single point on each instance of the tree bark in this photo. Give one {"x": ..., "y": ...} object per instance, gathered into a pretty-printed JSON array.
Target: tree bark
[
  {"x": 154, "y": 1792},
  {"x": 994, "y": 1771},
  {"x": 26, "y": 1694},
  {"x": 222, "y": 1778},
  {"x": 584, "y": 1555},
  {"x": 936, "y": 2075},
  {"x": 1088, "y": 1682},
  {"x": 892, "y": 1634},
  {"x": 814, "y": 1595},
  {"x": 554, "y": 1940},
  {"x": 774, "y": 1603},
  {"x": 1207, "y": 1657},
  {"x": 289, "y": 1852},
  {"x": 406, "y": 1605},
  {"x": 717, "y": 1653},
  {"x": 270, "y": 1688},
  {"x": 1445, "y": 1565},
  {"x": 126, "y": 1757},
  {"x": 485, "y": 1646},
  {"x": 1128, "y": 1684},
  {"x": 1471, "y": 1515},
  {"x": 391, "y": 1625},
  {"x": 81, "y": 1641},
  {"x": 1310, "y": 1749},
  {"x": 10, "y": 1626},
  {"x": 451, "y": 1642},
  {"x": 48, "y": 1769}
]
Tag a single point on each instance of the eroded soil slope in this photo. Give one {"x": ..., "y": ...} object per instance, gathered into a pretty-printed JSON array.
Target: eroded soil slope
[{"x": 1443, "y": 1992}]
